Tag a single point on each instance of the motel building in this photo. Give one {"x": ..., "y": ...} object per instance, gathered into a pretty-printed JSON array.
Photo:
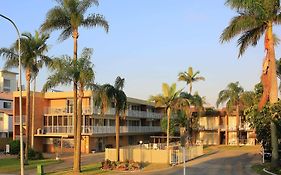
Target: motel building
[
  {"x": 220, "y": 128},
  {"x": 53, "y": 122}
]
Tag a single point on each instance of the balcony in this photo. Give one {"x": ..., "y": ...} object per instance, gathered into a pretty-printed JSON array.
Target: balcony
[
  {"x": 209, "y": 128},
  {"x": 17, "y": 120},
  {"x": 66, "y": 110},
  {"x": 143, "y": 114},
  {"x": 101, "y": 129},
  {"x": 111, "y": 111}
]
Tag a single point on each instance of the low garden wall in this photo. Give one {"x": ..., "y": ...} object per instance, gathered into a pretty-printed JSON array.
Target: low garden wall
[{"x": 140, "y": 154}]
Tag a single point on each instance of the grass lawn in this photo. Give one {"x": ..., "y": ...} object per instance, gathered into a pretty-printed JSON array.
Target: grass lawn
[
  {"x": 259, "y": 169},
  {"x": 87, "y": 169},
  {"x": 155, "y": 166},
  {"x": 10, "y": 165}
]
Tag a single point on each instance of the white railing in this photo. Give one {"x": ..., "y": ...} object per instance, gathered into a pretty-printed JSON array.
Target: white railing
[
  {"x": 57, "y": 129},
  {"x": 96, "y": 110},
  {"x": 17, "y": 120},
  {"x": 143, "y": 114},
  {"x": 101, "y": 129}
]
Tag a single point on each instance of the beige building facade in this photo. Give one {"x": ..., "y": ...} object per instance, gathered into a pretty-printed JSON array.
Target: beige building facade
[
  {"x": 53, "y": 124},
  {"x": 221, "y": 129}
]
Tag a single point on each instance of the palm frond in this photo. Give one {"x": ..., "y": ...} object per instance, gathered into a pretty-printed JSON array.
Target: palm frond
[
  {"x": 84, "y": 5},
  {"x": 250, "y": 37},
  {"x": 94, "y": 20}
]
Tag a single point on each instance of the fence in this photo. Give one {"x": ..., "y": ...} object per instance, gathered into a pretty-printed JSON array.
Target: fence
[{"x": 140, "y": 154}]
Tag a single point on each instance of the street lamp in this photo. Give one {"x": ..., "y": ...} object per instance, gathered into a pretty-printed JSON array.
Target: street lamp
[{"x": 20, "y": 97}]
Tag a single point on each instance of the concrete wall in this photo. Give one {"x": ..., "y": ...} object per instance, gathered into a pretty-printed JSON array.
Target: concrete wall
[
  {"x": 152, "y": 156},
  {"x": 209, "y": 137}
]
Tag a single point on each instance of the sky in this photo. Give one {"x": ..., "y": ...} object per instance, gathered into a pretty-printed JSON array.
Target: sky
[{"x": 148, "y": 43}]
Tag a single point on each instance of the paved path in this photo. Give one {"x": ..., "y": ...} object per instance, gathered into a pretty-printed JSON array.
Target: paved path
[{"x": 220, "y": 162}]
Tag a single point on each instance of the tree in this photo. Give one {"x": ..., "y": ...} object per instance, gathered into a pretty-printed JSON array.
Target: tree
[
  {"x": 68, "y": 16},
  {"x": 232, "y": 96},
  {"x": 254, "y": 19},
  {"x": 167, "y": 100},
  {"x": 189, "y": 77},
  {"x": 104, "y": 95},
  {"x": 33, "y": 57},
  {"x": 65, "y": 71}
]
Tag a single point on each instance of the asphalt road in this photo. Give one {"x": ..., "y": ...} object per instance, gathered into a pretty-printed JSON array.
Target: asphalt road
[{"x": 220, "y": 162}]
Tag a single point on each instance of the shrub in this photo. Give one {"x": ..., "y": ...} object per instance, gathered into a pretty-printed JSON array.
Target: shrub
[
  {"x": 15, "y": 147},
  {"x": 34, "y": 155}
]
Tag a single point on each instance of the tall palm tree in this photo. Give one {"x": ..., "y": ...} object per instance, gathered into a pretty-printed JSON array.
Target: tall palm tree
[
  {"x": 65, "y": 71},
  {"x": 104, "y": 95},
  {"x": 254, "y": 19},
  {"x": 169, "y": 101},
  {"x": 68, "y": 16},
  {"x": 189, "y": 77},
  {"x": 231, "y": 95},
  {"x": 32, "y": 48}
]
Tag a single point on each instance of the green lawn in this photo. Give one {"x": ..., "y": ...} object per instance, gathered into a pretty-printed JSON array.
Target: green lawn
[
  {"x": 10, "y": 165},
  {"x": 259, "y": 169},
  {"x": 87, "y": 169}
]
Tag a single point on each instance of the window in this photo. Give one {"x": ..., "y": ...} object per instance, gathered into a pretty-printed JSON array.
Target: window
[
  {"x": 7, "y": 105},
  {"x": 7, "y": 85},
  {"x": 1, "y": 119}
]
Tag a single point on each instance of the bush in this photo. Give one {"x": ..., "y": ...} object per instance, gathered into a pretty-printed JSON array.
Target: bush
[
  {"x": 15, "y": 147},
  {"x": 121, "y": 166},
  {"x": 34, "y": 155}
]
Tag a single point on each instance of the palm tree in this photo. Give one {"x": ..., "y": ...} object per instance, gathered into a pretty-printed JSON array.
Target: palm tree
[
  {"x": 254, "y": 19},
  {"x": 231, "y": 95},
  {"x": 68, "y": 16},
  {"x": 169, "y": 101},
  {"x": 65, "y": 71},
  {"x": 189, "y": 77},
  {"x": 32, "y": 47},
  {"x": 278, "y": 68},
  {"x": 106, "y": 94}
]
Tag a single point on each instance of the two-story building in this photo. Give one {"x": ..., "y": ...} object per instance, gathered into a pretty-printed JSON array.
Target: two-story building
[
  {"x": 218, "y": 127},
  {"x": 8, "y": 84},
  {"x": 53, "y": 124}
]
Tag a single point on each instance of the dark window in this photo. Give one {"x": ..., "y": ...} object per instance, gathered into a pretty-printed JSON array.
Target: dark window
[{"x": 7, "y": 105}]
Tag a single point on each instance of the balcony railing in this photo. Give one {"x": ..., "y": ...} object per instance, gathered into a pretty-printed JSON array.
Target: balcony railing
[
  {"x": 110, "y": 111},
  {"x": 17, "y": 120},
  {"x": 100, "y": 129}
]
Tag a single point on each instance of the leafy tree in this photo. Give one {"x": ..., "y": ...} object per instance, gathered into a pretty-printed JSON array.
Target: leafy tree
[
  {"x": 65, "y": 71},
  {"x": 254, "y": 19},
  {"x": 68, "y": 16},
  {"x": 33, "y": 57},
  {"x": 189, "y": 77},
  {"x": 232, "y": 96},
  {"x": 104, "y": 95},
  {"x": 169, "y": 101}
]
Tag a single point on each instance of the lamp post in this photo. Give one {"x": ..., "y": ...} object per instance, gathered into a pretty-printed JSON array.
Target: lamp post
[
  {"x": 20, "y": 96},
  {"x": 141, "y": 153}
]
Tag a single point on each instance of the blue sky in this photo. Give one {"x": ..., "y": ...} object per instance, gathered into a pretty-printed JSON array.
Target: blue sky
[{"x": 149, "y": 42}]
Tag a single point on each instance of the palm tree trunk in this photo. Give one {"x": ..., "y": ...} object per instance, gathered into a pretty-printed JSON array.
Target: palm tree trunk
[
  {"x": 190, "y": 87},
  {"x": 226, "y": 129},
  {"x": 79, "y": 117},
  {"x": 27, "y": 117},
  {"x": 168, "y": 126},
  {"x": 33, "y": 113},
  {"x": 117, "y": 130},
  {"x": 76, "y": 169},
  {"x": 237, "y": 124},
  {"x": 273, "y": 96}
]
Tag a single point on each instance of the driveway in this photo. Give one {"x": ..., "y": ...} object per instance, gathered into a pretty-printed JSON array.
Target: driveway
[{"x": 233, "y": 161}]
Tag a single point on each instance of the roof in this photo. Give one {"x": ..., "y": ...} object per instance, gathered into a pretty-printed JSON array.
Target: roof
[{"x": 6, "y": 71}]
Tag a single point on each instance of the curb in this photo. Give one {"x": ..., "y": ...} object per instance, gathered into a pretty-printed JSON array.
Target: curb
[{"x": 268, "y": 172}]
